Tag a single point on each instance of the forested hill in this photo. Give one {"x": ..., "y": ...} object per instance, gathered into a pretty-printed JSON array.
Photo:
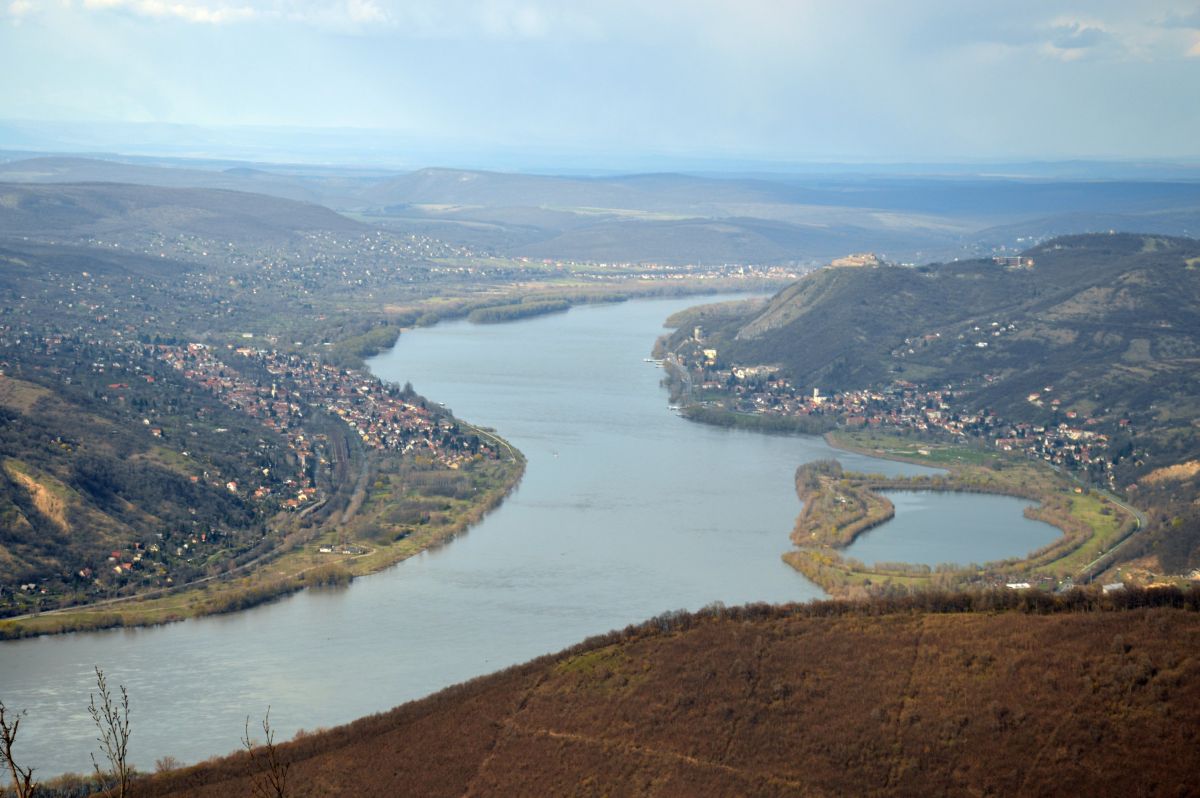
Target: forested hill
[
  {"x": 1095, "y": 332},
  {"x": 1026, "y": 695},
  {"x": 1086, "y": 298},
  {"x": 77, "y": 211},
  {"x": 1111, "y": 322}
]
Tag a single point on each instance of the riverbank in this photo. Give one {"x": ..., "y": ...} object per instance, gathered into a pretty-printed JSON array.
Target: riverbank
[
  {"x": 839, "y": 506},
  {"x": 836, "y": 509},
  {"x": 757, "y": 422},
  {"x": 400, "y": 512},
  {"x": 681, "y": 391},
  {"x": 368, "y": 526},
  {"x": 499, "y": 304}
]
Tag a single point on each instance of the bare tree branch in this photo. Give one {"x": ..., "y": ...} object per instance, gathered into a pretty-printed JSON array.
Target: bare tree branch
[
  {"x": 112, "y": 720},
  {"x": 271, "y": 782},
  {"x": 22, "y": 778}
]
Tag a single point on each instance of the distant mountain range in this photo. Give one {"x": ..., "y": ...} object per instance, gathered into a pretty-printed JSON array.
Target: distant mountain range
[
  {"x": 688, "y": 218},
  {"x": 80, "y": 210}
]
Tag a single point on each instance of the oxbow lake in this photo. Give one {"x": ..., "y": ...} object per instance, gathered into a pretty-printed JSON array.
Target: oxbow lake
[{"x": 625, "y": 511}]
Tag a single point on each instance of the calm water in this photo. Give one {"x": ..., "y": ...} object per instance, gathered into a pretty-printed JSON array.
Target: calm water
[
  {"x": 960, "y": 528},
  {"x": 625, "y": 511}
]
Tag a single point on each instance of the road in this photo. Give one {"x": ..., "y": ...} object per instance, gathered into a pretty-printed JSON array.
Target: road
[{"x": 1140, "y": 523}]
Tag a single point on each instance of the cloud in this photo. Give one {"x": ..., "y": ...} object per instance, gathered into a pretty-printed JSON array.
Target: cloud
[
  {"x": 1191, "y": 21},
  {"x": 1073, "y": 40},
  {"x": 19, "y": 8},
  {"x": 421, "y": 19},
  {"x": 1194, "y": 51},
  {"x": 1152, "y": 31},
  {"x": 1075, "y": 36},
  {"x": 365, "y": 11},
  {"x": 343, "y": 16},
  {"x": 186, "y": 11}
]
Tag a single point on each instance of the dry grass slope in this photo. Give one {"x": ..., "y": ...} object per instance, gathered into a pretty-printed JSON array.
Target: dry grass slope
[{"x": 911, "y": 697}]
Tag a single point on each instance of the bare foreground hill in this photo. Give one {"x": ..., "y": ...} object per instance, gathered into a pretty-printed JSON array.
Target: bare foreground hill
[{"x": 1016, "y": 695}]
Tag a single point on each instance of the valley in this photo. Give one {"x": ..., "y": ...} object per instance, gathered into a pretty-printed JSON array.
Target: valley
[
  {"x": 245, "y": 437},
  {"x": 495, "y": 398}
]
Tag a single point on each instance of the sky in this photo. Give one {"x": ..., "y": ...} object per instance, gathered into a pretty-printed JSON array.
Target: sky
[{"x": 772, "y": 80}]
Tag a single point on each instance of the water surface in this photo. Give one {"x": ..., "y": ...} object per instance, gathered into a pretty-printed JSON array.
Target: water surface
[
  {"x": 932, "y": 528},
  {"x": 625, "y": 511}
]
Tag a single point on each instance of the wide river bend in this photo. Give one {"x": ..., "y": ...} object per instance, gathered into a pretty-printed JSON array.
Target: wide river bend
[{"x": 625, "y": 511}]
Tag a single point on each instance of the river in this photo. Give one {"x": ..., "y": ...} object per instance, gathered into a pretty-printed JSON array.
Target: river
[{"x": 625, "y": 511}]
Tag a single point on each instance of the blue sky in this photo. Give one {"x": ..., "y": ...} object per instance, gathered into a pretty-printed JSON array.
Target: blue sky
[{"x": 798, "y": 80}]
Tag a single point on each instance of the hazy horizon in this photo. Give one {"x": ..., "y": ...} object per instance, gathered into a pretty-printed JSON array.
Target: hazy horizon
[
  {"x": 615, "y": 85},
  {"x": 370, "y": 151}
]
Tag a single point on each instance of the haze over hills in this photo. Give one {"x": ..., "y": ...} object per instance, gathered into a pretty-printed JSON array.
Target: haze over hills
[
  {"x": 98, "y": 209},
  {"x": 664, "y": 217},
  {"x": 93, "y": 170},
  {"x": 679, "y": 217}
]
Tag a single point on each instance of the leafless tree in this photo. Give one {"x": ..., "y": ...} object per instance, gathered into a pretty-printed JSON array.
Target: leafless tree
[
  {"x": 22, "y": 778},
  {"x": 165, "y": 764},
  {"x": 272, "y": 779},
  {"x": 112, "y": 721}
]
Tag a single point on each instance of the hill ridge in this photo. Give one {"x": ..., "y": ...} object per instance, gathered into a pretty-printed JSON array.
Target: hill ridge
[{"x": 754, "y": 701}]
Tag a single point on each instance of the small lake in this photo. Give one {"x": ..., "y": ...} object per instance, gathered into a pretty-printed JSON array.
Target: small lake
[
  {"x": 931, "y": 528},
  {"x": 625, "y": 511}
]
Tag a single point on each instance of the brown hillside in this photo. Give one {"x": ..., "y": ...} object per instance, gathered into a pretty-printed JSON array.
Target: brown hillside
[{"x": 777, "y": 701}]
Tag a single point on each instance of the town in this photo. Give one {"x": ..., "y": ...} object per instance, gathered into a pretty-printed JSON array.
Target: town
[
  {"x": 383, "y": 416},
  {"x": 1072, "y": 443}
]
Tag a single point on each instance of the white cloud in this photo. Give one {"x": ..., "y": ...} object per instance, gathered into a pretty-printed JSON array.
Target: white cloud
[
  {"x": 344, "y": 16},
  {"x": 187, "y": 11},
  {"x": 422, "y": 19},
  {"x": 453, "y": 20},
  {"x": 365, "y": 11},
  {"x": 1148, "y": 32}
]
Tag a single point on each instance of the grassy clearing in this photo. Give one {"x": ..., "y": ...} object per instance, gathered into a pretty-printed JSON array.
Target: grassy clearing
[
  {"x": 19, "y": 394},
  {"x": 936, "y": 454},
  {"x": 1107, "y": 523}
]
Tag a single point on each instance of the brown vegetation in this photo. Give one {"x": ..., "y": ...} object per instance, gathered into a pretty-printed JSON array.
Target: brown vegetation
[
  {"x": 838, "y": 507},
  {"x": 996, "y": 693},
  {"x": 1175, "y": 473}
]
